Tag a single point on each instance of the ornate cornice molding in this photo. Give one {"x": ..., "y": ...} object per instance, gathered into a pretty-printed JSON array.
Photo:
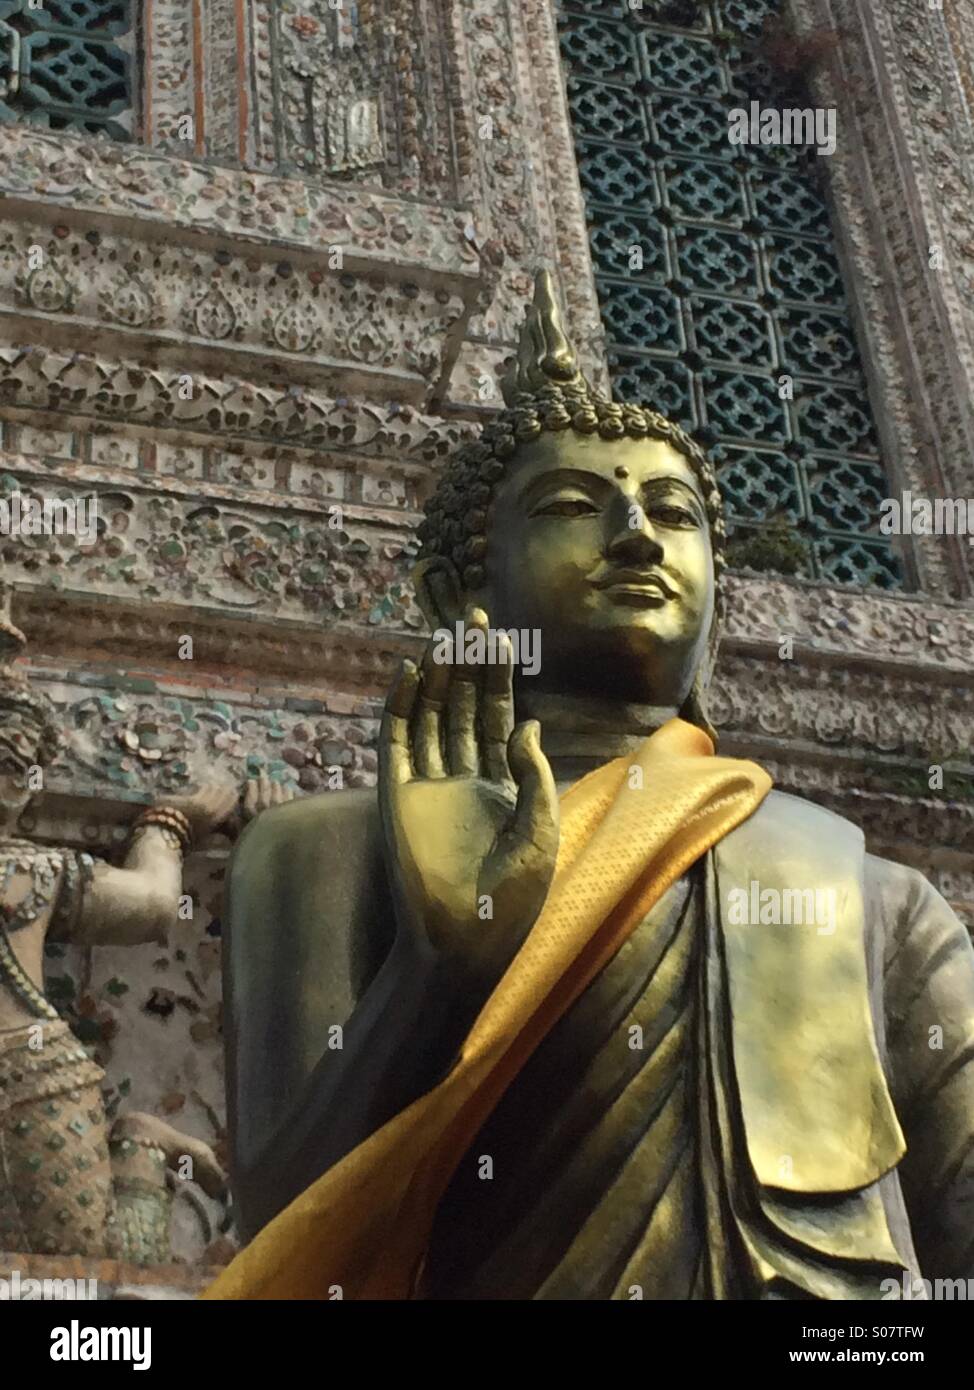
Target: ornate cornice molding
[
  {"x": 57, "y": 388},
  {"x": 161, "y": 198},
  {"x": 325, "y": 537},
  {"x": 893, "y": 717},
  {"x": 194, "y": 310},
  {"x": 124, "y": 634},
  {"x": 276, "y": 475},
  {"x": 310, "y": 560},
  {"x": 927, "y": 833},
  {"x": 853, "y": 627},
  {"x": 911, "y": 655}
]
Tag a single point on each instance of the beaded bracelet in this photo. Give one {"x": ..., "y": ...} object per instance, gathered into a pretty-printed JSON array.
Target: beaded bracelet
[
  {"x": 166, "y": 818},
  {"x": 169, "y": 837},
  {"x": 125, "y": 1143}
]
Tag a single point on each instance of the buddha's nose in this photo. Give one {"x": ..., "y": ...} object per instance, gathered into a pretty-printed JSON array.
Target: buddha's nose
[{"x": 633, "y": 539}]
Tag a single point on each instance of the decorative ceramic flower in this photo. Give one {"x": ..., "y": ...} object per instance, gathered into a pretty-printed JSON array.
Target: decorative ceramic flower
[{"x": 304, "y": 26}]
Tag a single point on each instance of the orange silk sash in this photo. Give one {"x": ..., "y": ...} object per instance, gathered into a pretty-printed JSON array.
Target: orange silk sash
[{"x": 628, "y": 831}]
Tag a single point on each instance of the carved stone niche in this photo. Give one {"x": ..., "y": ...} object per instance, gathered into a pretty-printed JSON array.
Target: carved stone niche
[{"x": 363, "y": 91}]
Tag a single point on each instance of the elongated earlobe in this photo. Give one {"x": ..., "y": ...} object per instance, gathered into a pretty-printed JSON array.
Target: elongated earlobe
[
  {"x": 439, "y": 592},
  {"x": 694, "y": 710}
]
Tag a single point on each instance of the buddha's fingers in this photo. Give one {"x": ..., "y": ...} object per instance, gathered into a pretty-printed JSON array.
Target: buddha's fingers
[
  {"x": 461, "y": 724},
  {"x": 463, "y": 753},
  {"x": 426, "y": 731},
  {"x": 395, "y": 762},
  {"x": 536, "y": 812},
  {"x": 497, "y": 713}
]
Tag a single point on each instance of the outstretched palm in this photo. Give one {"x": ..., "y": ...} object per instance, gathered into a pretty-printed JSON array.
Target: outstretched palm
[{"x": 469, "y": 810}]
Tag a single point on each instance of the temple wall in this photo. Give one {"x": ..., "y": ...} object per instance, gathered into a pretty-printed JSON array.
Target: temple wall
[{"x": 255, "y": 330}]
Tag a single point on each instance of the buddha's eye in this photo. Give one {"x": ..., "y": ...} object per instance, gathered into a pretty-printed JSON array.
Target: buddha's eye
[
  {"x": 672, "y": 515},
  {"x": 566, "y": 506}
]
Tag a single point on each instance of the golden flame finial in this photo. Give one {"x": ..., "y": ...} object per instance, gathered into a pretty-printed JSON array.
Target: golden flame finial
[{"x": 545, "y": 357}]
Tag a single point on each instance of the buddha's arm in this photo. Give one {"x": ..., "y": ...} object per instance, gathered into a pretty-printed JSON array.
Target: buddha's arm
[
  {"x": 400, "y": 1040},
  {"x": 468, "y": 819},
  {"x": 930, "y": 1011}
]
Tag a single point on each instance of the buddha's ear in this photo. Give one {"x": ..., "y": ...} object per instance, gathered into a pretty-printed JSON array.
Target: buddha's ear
[
  {"x": 694, "y": 709},
  {"x": 438, "y": 591}
]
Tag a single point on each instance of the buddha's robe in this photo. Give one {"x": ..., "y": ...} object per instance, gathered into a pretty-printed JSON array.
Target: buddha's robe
[
  {"x": 593, "y": 1188},
  {"x": 798, "y": 1122}
]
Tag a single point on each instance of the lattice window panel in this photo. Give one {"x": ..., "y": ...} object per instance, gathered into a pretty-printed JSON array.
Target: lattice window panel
[
  {"x": 738, "y": 284},
  {"x": 62, "y": 66}
]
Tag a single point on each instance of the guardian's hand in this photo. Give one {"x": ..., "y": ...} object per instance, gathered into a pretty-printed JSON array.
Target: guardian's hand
[
  {"x": 261, "y": 793},
  {"x": 205, "y": 809}
]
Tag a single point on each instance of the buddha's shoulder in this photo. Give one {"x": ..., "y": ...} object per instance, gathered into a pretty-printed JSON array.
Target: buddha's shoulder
[
  {"x": 326, "y": 825},
  {"x": 906, "y": 895},
  {"x": 898, "y": 892},
  {"x": 782, "y": 815}
]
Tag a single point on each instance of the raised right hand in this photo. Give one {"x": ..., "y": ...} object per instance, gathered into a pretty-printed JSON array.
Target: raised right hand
[{"x": 469, "y": 812}]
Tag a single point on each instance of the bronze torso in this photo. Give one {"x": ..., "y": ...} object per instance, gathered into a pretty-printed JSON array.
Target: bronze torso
[{"x": 590, "y": 1119}]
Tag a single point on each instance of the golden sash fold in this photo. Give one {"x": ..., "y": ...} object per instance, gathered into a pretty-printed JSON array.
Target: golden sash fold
[{"x": 628, "y": 831}]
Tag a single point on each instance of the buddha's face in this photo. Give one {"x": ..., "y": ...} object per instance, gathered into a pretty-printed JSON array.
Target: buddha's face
[{"x": 604, "y": 547}]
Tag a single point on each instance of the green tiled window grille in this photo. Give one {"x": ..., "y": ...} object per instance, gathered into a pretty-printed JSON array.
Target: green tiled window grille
[
  {"x": 738, "y": 283},
  {"x": 61, "y": 65}
]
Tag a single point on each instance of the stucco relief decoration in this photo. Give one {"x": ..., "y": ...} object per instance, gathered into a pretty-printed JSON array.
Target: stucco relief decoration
[
  {"x": 48, "y": 290},
  {"x": 170, "y": 549},
  {"x": 36, "y": 378},
  {"x": 134, "y": 182},
  {"x": 112, "y": 282},
  {"x": 293, "y": 328},
  {"x": 154, "y": 743},
  {"x": 214, "y": 316},
  {"x": 129, "y": 301}
]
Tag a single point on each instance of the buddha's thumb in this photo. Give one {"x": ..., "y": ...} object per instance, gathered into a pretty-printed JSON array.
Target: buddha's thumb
[{"x": 536, "y": 814}]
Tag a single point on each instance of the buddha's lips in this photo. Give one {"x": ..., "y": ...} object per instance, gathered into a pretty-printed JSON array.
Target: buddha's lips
[{"x": 639, "y": 579}]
